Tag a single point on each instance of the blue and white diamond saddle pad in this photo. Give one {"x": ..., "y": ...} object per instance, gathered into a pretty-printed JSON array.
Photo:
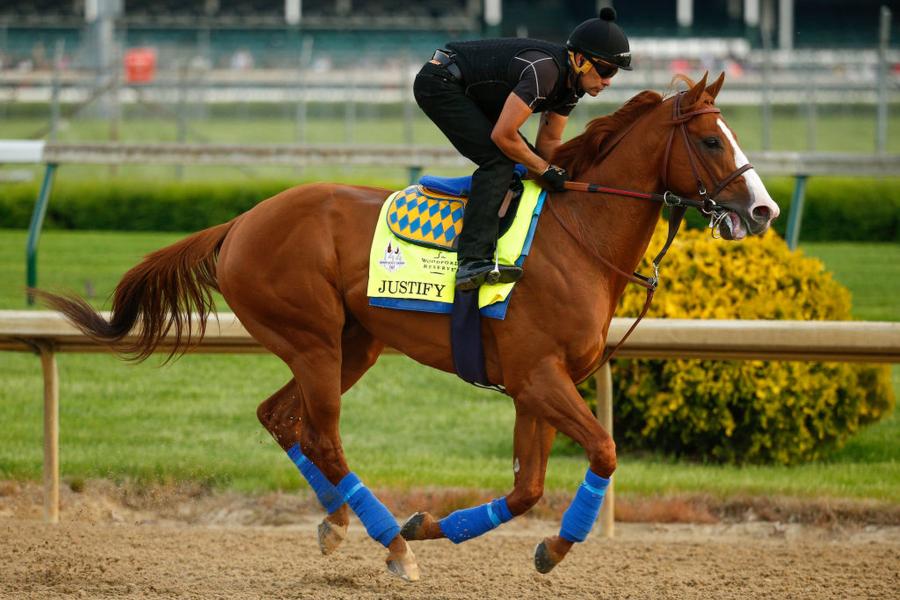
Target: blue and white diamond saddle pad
[{"x": 425, "y": 217}]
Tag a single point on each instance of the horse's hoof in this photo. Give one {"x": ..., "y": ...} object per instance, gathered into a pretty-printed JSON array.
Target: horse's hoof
[
  {"x": 544, "y": 559},
  {"x": 414, "y": 528},
  {"x": 403, "y": 565},
  {"x": 331, "y": 536}
]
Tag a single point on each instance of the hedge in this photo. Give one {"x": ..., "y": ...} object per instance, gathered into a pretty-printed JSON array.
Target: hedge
[
  {"x": 743, "y": 411},
  {"x": 136, "y": 206},
  {"x": 836, "y": 209}
]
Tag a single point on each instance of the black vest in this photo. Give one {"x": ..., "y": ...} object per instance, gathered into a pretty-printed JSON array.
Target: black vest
[{"x": 485, "y": 66}]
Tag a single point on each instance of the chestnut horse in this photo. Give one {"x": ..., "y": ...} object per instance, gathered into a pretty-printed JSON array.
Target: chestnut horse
[{"x": 294, "y": 269}]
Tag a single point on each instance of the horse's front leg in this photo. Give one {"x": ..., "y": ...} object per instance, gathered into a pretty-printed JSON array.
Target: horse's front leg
[
  {"x": 533, "y": 439},
  {"x": 553, "y": 395}
]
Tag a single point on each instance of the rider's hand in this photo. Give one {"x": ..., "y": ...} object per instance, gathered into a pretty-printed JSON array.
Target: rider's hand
[{"x": 555, "y": 178}]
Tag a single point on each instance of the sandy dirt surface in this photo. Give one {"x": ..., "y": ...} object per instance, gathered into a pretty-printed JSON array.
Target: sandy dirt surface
[{"x": 186, "y": 545}]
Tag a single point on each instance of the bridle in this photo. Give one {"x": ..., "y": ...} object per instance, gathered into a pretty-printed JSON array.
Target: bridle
[
  {"x": 680, "y": 121},
  {"x": 677, "y": 205}
]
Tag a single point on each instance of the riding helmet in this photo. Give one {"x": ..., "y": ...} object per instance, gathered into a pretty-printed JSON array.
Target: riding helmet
[{"x": 601, "y": 38}]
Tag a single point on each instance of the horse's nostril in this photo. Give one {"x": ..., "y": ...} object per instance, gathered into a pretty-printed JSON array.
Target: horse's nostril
[{"x": 762, "y": 214}]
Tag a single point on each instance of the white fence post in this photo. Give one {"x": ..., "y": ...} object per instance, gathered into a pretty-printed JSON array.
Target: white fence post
[
  {"x": 603, "y": 378},
  {"x": 51, "y": 432}
]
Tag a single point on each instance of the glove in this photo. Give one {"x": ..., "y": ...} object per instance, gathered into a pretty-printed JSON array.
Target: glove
[{"x": 555, "y": 178}]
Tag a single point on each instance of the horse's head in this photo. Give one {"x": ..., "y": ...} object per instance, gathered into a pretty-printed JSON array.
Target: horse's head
[{"x": 704, "y": 157}]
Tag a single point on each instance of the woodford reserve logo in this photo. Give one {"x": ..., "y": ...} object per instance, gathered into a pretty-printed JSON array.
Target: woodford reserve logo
[
  {"x": 393, "y": 259},
  {"x": 439, "y": 263}
]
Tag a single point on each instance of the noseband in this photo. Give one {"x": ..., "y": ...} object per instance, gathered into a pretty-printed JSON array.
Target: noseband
[{"x": 677, "y": 205}]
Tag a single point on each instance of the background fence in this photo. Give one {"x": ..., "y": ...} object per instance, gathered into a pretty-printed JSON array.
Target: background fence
[{"x": 250, "y": 72}]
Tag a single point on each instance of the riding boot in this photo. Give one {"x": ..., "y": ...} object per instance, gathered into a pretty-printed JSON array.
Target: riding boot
[
  {"x": 481, "y": 226},
  {"x": 472, "y": 273}
]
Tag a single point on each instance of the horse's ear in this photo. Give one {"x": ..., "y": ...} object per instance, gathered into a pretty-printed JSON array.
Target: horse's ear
[
  {"x": 713, "y": 89},
  {"x": 693, "y": 95}
]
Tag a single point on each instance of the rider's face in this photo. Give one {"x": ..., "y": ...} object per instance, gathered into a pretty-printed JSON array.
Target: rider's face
[{"x": 593, "y": 82}]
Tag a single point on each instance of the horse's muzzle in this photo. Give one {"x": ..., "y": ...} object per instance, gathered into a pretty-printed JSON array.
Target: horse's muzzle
[{"x": 742, "y": 221}]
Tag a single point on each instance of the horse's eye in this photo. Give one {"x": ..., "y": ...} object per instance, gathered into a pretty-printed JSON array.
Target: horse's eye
[{"x": 712, "y": 142}]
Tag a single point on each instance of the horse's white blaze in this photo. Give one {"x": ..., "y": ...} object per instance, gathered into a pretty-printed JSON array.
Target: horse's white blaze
[{"x": 759, "y": 195}]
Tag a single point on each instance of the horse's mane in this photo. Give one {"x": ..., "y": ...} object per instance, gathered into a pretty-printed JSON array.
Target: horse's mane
[{"x": 579, "y": 153}]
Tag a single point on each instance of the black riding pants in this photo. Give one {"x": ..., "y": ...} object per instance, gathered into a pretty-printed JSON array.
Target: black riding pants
[{"x": 469, "y": 130}]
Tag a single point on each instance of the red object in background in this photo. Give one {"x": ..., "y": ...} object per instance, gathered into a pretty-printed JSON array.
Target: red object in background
[
  {"x": 679, "y": 65},
  {"x": 140, "y": 65}
]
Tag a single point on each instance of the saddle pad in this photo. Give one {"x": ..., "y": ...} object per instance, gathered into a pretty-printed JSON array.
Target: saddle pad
[
  {"x": 409, "y": 276},
  {"x": 425, "y": 217}
]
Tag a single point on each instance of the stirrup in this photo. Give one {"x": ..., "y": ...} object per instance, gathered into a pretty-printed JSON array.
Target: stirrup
[{"x": 493, "y": 275}]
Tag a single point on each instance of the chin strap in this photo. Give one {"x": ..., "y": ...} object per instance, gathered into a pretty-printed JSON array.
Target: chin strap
[{"x": 585, "y": 64}]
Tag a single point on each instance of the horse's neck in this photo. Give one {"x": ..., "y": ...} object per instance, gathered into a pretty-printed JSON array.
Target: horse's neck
[{"x": 620, "y": 228}]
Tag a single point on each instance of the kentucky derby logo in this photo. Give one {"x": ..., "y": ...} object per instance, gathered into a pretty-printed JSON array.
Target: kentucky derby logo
[{"x": 392, "y": 260}]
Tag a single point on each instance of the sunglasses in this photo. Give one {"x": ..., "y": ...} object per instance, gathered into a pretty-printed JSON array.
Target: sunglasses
[{"x": 604, "y": 69}]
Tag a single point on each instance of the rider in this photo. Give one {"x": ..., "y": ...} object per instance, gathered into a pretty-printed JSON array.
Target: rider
[{"x": 480, "y": 92}]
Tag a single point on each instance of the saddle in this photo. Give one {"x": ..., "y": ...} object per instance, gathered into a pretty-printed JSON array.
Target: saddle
[{"x": 430, "y": 213}]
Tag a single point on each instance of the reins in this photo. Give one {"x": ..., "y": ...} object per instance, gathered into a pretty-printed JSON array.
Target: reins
[{"x": 677, "y": 205}]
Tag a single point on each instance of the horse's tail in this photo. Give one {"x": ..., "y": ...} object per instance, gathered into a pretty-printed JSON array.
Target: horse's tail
[{"x": 170, "y": 288}]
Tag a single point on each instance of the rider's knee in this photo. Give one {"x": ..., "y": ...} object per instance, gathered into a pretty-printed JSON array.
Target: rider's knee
[{"x": 524, "y": 497}]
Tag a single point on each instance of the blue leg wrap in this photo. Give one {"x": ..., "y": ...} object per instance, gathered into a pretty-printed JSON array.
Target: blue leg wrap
[
  {"x": 328, "y": 495},
  {"x": 380, "y": 523},
  {"x": 581, "y": 514},
  {"x": 465, "y": 524}
]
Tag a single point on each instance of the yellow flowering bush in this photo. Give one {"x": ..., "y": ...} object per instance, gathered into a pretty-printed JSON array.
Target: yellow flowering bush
[{"x": 743, "y": 411}]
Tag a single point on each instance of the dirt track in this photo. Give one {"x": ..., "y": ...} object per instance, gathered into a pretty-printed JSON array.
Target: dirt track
[{"x": 106, "y": 550}]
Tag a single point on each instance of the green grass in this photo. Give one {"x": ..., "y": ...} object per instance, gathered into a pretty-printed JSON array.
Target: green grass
[
  {"x": 403, "y": 425},
  {"x": 838, "y": 128},
  {"x": 90, "y": 263},
  {"x": 871, "y": 271}
]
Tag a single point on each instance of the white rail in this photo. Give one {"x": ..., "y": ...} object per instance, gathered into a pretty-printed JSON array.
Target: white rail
[{"x": 414, "y": 157}]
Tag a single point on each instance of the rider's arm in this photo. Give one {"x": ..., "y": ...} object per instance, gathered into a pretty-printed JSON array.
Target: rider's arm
[
  {"x": 506, "y": 134},
  {"x": 549, "y": 134}
]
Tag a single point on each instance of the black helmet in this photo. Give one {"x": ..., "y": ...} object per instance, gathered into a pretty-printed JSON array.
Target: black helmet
[{"x": 602, "y": 39}]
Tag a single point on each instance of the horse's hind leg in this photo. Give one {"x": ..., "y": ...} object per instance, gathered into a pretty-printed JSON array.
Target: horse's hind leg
[
  {"x": 320, "y": 392},
  {"x": 532, "y": 441},
  {"x": 282, "y": 415},
  {"x": 359, "y": 352}
]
